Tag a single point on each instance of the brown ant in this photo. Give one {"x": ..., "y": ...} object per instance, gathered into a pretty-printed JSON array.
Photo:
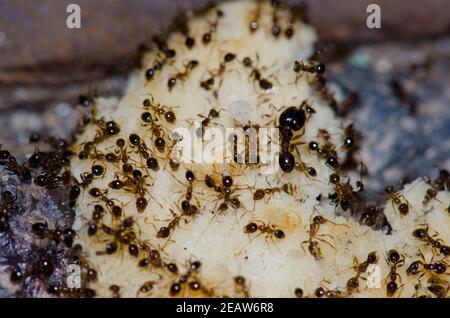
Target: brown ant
[
  {"x": 190, "y": 280},
  {"x": 396, "y": 200},
  {"x": 186, "y": 207},
  {"x": 166, "y": 231},
  {"x": 421, "y": 267},
  {"x": 266, "y": 193},
  {"x": 146, "y": 287},
  {"x": 225, "y": 193},
  {"x": 438, "y": 184},
  {"x": 344, "y": 194},
  {"x": 336, "y": 293},
  {"x": 254, "y": 22},
  {"x": 438, "y": 287},
  {"x": 256, "y": 74},
  {"x": 394, "y": 260},
  {"x": 207, "y": 37},
  {"x": 268, "y": 229},
  {"x": 360, "y": 268},
  {"x": 206, "y": 121},
  {"x": 436, "y": 244},
  {"x": 315, "y": 66},
  {"x": 182, "y": 76},
  {"x": 350, "y": 138},
  {"x": 241, "y": 287},
  {"x": 158, "y": 110},
  {"x": 123, "y": 234},
  {"x": 315, "y": 237}
]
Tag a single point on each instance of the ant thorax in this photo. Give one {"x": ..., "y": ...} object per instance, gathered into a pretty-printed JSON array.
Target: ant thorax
[{"x": 283, "y": 221}]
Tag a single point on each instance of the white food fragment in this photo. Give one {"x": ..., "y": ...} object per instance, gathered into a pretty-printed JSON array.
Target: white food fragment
[{"x": 271, "y": 267}]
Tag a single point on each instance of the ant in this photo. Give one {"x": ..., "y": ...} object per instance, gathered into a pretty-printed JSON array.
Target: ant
[
  {"x": 276, "y": 29},
  {"x": 359, "y": 268},
  {"x": 241, "y": 287},
  {"x": 256, "y": 75},
  {"x": 315, "y": 66},
  {"x": 182, "y": 76},
  {"x": 395, "y": 261},
  {"x": 123, "y": 234},
  {"x": 254, "y": 22},
  {"x": 301, "y": 166},
  {"x": 225, "y": 193},
  {"x": 438, "y": 185},
  {"x": 106, "y": 130},
  {"x": 286, "y": 159},
  {"x": 137, "y": 184},
  {"x": 438, "y": 287},
  {"x": 186, "y": 207},
  {"x": 206, "y": 121},
  {"x": 260, "y": 194},
  {"x": 438, "y": 244},
  {"x": 268, "y": 229},
  {"x": 191, "y": 280},
  {"x": 159, "y": 111},
  {"x": 314, "y": 237},
  {"x": 402, "y": 207},
  {"x": 11, "y": 164},
  {"x": 350, "y": 138},
  {"x": 166, "y": 231},
  {"x": 142, "y": 148},
  {"x": 436, "y": 267},
  {"x": 146, "y": 287},
  {"x": 321, "y": 292},
  {"x": 97, "y": 216},
  {"x": 344, "y": 194},
  {"x": 207, "y": 37}
]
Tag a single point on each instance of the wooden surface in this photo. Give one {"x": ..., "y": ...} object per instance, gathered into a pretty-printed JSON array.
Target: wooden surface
[{"x": 41, "y": 60}]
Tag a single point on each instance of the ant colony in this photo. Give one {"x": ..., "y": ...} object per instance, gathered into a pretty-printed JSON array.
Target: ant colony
[{"x": 151, "y": 224}]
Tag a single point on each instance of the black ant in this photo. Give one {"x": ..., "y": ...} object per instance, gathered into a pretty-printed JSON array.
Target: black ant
[
  {"x": 438, "y": 244},
  {"x": 269, "y": 229},
  {"x": 394, "y": 260},
  {"x": 315, "y": 237},
  {"x": 396, "y": 199}
]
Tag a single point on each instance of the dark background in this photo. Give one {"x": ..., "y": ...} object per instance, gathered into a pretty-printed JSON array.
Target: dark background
[{"x": 49, "y": 61}]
